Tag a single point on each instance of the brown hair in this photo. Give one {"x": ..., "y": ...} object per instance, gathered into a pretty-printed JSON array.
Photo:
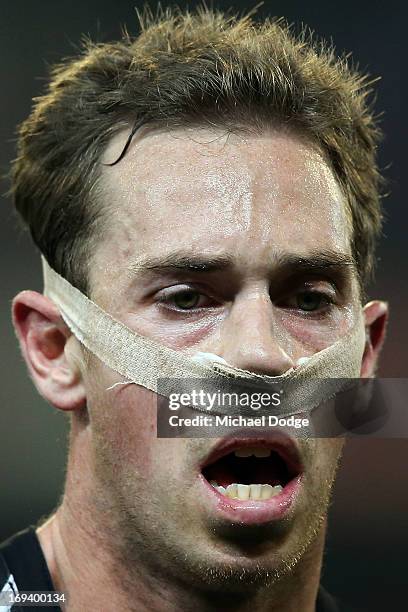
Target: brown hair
[{"x": 203, "y": 68}]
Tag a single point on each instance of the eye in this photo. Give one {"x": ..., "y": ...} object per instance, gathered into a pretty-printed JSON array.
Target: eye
[
  {"x": 179, "y": 298},
  {"x": 187, "y": 299},
  {"x": 310, "y": 301}
]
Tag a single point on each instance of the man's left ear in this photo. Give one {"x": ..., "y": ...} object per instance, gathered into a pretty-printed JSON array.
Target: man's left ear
[{"x": 375, "y": 321}]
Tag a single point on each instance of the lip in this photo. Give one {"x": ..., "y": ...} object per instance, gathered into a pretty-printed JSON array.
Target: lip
[{"x": 255, "y": 512}]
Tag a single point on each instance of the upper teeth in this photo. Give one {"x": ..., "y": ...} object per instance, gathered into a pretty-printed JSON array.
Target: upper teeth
[{"x": 258, "y": 451}]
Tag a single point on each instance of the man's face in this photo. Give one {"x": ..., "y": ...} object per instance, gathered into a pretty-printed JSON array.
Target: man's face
[{"x": 237, "y": 247}]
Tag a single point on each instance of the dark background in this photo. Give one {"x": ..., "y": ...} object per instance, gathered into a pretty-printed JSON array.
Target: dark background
[{"x": 365, "y": 562}]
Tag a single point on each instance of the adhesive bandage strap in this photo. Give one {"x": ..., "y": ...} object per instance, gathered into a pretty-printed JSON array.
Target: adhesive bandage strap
[{"x": 144, "y": 362}]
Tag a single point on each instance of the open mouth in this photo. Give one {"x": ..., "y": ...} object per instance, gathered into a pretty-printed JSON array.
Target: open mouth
[{"x": 252, "y": 469}]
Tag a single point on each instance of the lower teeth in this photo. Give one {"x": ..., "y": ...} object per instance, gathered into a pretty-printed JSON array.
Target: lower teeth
[{"x": 253, "y": 491}]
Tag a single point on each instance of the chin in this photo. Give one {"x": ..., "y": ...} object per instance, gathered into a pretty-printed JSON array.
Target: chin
[{"x": 254, "y": 559}]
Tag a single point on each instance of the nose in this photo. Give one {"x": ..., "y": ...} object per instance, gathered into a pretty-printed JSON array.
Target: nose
[{"x": 250, "y": 338}]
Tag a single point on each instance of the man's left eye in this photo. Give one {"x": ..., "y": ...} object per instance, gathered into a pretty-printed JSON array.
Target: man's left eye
[{"x": 310, "y": 301}]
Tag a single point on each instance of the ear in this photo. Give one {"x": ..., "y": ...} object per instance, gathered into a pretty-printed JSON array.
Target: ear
[
  {"x": 375, "y": 320},
  {"x": 46, "y": 345}
]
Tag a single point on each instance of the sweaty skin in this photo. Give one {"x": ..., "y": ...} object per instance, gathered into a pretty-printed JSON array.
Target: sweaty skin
[{"x": 198, "y": 231}]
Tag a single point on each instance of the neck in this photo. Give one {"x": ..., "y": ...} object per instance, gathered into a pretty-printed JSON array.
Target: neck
[{"x": 82, "y": 555}]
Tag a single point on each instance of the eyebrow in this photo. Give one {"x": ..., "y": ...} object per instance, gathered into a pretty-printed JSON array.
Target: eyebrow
[
  {"x": 180, "y": 260},
  {"x": 319, "y": 261}
]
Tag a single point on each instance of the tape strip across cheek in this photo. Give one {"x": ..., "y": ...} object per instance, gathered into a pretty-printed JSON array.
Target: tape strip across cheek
[{"x": 158, "y": 368}]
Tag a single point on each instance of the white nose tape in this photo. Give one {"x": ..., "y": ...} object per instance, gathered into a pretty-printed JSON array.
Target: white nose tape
[
  {"x": 302, "y": 361},
  {"x": 207, "y": 358},
  {"x": 145, "y": 362}
]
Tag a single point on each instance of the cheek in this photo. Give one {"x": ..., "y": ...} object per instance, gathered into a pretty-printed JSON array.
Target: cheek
[
  {"x": 327, "y": 453},
  {"x": 124, "y": 424}
]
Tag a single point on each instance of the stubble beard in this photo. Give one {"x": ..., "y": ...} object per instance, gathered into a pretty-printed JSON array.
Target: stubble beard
[{"x": 144, "y": 540}]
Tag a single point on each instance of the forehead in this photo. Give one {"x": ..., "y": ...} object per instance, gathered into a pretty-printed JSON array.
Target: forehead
[{"x": 203, "y": 189}]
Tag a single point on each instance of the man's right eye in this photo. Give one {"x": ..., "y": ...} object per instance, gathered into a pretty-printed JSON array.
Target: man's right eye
[
  {"x": 183, "y": 299},
  {"x": 186, "y": 299}
]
